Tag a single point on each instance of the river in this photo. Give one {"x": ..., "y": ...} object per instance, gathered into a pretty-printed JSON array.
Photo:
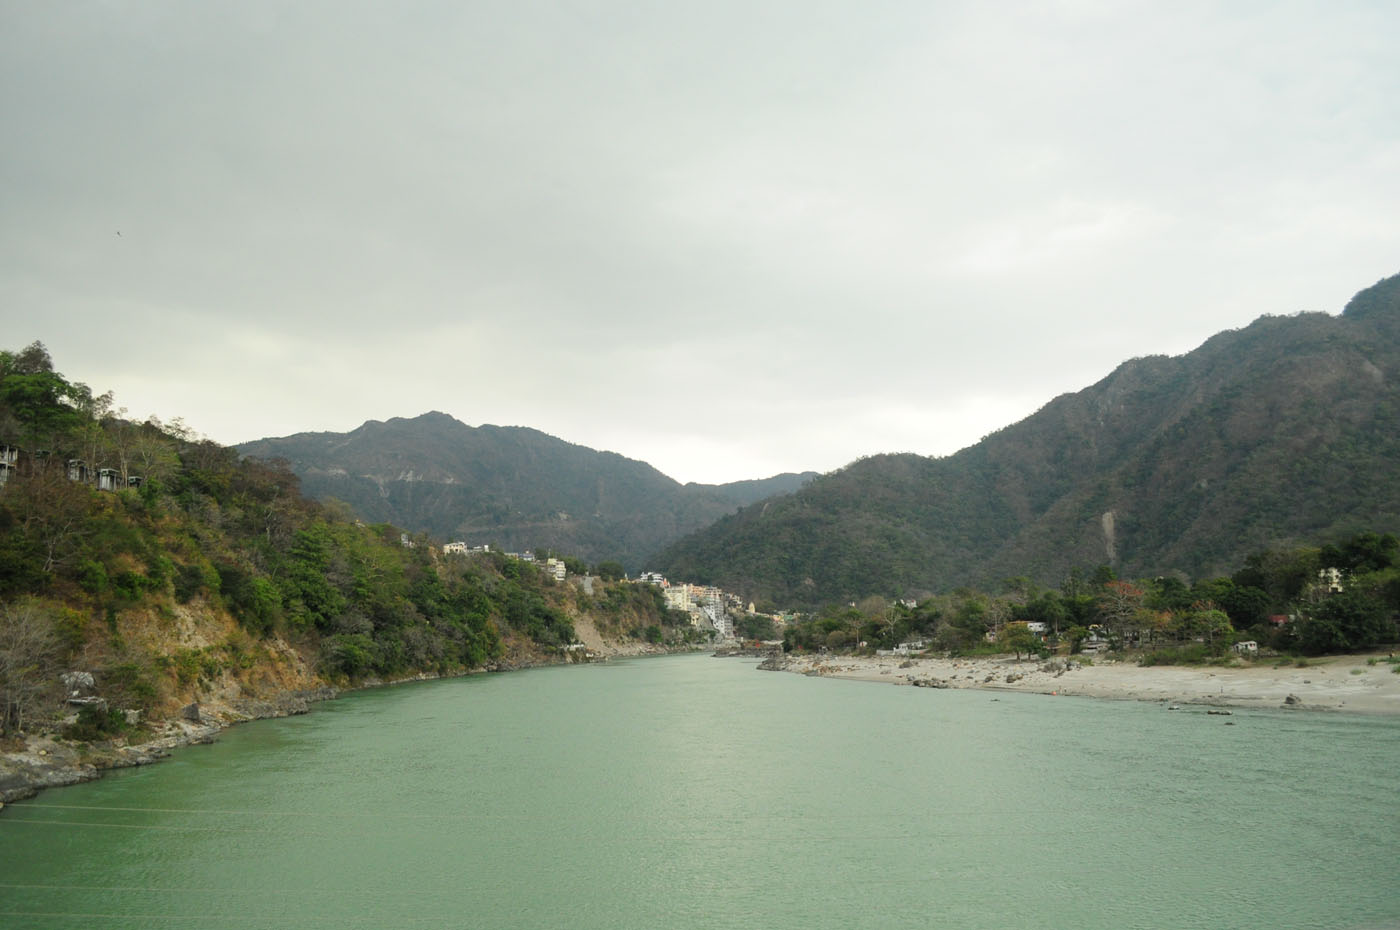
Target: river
[{"x": 690, "y": 792}]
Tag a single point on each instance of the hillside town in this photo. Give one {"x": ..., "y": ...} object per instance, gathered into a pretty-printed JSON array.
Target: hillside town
[{"x": 709, "y": 608}]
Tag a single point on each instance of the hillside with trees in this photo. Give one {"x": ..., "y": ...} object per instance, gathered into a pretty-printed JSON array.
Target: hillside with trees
[
  {"x": 508, "y": 486},
  {"x": 166, "y": 569},
  {"x": 1281, "y": 433}
]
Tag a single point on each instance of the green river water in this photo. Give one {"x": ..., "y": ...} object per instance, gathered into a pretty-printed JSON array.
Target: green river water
[{"x": 691, "y": 792}]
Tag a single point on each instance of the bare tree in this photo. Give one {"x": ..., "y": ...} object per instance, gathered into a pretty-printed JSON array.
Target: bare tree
[
  {"x": 152, "y": 451},
  {"x": 1120, "y": 607},
  {"x": 29, "y": 654},
  {"x": 52, "y": 511}
]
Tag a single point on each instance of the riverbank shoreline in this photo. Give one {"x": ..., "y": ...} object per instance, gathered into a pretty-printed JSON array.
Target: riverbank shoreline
[
  {"x": 1358, "y": 684},
  {"x": 49, "y": 761}
]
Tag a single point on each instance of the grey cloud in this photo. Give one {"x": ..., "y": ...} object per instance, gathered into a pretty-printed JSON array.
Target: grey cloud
[{"x": 736, "y": 235}]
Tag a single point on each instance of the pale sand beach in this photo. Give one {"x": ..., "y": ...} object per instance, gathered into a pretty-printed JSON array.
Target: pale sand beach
[{"x": 1332, "y": 683}]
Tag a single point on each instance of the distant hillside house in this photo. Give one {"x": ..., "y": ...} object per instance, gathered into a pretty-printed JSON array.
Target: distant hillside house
[
  {"x": 1331, "y": 580},
  {"x": 458, "y": 547},
  {"x": 556, "y": 568}
]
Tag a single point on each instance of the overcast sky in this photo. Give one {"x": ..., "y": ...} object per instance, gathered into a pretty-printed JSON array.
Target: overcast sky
[{"x": 729, "y": 239}]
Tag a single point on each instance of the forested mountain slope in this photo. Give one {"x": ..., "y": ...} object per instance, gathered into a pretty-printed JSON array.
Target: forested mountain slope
[
  {"x": 508, "y": 486},
  {"x": 1286, "y": 430},
  {"x": 165, "y": 570}
]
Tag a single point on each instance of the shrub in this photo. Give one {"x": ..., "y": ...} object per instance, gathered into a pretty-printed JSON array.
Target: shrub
[
  {"x": 129, "y": 684},
  {"x": 129, "y": 585},
  {"x": 189, "y": 580},
  {"x": 348, "y": 654},
  {"x": 1194, "y": 654},
  {"x": 193, "y": 665},
  {"x": 254, "y": 600},
  {"x": 70, "y": 626},
  {"x": 92, "y": 577},
  {"x": 96, "y": 722}
]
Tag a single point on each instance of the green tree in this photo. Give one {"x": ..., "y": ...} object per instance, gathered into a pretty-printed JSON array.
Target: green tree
[
  {"x": 39, "y": 400},
  {"x": 348, "y": 654},
  {"x": 1364, "y": 553},
  {"x": 1018, "y": 638},
  {"x": 609, "y": 571},
  {"x": 1205, "y": 623},
  {"x": 1354, "y": 618},
  {"x": 1047, "y": 607},
  {"x": 755, "y": 626},
  {"x": 1282, "y": 575},
  {"x": 1169, "y": 593}
]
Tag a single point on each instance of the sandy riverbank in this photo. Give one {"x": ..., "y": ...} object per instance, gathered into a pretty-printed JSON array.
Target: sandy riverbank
[{"x": 1334, "y": 683}]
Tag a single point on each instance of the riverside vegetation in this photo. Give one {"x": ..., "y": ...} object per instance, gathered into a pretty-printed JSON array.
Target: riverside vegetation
[
  {"x": 165, "y": 569},
  {"x": 1308, "y": 600}
]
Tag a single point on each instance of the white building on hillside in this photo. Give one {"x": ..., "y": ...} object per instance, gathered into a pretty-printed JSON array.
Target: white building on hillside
[{"x": 677, "y": 597}]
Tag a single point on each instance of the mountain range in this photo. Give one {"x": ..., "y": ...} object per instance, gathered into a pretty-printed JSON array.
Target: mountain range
[
  {"x": 1285, "y": 431},
  {"x": 508, "y": 486}
]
